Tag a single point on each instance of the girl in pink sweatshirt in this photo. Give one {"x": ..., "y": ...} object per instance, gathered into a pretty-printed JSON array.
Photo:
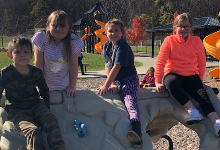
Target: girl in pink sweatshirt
[{"x": 181, "y": 62}]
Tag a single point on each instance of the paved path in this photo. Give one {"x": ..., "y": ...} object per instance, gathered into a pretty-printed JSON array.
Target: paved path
[{"x": 147, "y": 62}]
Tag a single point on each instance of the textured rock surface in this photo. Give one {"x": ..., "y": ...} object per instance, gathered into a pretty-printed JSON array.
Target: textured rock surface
[
  {"x": 107, "y": 121},
  {"x": 183, "y": 137}
]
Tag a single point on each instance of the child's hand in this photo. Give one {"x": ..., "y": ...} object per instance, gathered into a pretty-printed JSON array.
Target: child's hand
[
  {"x": 48, "y": 106},
  {"x": 141, "y": 83},
  {"x": 70, "y": 91},
  {"x": 205, "y": 86},
  {"x": 160, "y": 88},
  {"x": 113, "y": 89},
  {"x": 102, "y": 90}
]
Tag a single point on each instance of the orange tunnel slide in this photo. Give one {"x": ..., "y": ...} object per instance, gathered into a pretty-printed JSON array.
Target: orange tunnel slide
[
  {"x": 212, "y": 45},
  {"x": 99, "y": 33},
  {"x": 87, "y": 34}
]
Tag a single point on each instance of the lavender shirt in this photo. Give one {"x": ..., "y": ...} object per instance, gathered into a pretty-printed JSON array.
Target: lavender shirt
[{"x": 56, "y": 70}]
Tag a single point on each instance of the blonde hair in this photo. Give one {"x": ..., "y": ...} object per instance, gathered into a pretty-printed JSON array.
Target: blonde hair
[
  {"x": 59, "y": 17},
  {"x": 180, "y": 18},
  {"x": 19, "y": 41},
  {"x": 116, "y": 22}
]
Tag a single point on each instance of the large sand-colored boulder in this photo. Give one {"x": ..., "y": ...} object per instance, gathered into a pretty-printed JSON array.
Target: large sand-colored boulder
[{"x": 107, "y": 121}]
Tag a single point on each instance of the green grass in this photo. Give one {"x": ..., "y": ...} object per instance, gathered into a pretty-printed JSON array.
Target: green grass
[
  {"x": 145, "y": 49},
  {"x": 4, "y": 60},
  {"x": 5, "y": 41},
  {"x": 95, "y": 61}
]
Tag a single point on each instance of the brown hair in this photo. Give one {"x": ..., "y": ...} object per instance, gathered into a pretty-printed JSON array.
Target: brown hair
[
  {"x": 19, "y": 41},
  {"x": 116, "y": 22},
  {"x": 182, "y": 17},
  {"x": 61, "y": 18},
  {"x": 148, "y": 71}
]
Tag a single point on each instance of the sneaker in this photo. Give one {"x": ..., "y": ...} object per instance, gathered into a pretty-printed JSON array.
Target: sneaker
[
  {"x": 194, "y": 116},
  {"x": 134, "y": 135},
  {"x": 217, "y": 127}
]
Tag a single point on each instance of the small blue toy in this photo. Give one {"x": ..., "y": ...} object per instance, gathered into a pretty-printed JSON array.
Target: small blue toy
[{"x": 80, "y": 127}]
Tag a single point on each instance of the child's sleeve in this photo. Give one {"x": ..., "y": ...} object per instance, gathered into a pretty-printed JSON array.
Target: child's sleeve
[
  {"x": 2, "y": 85},
  {"x": 144, "y": 79},
  {"x": 76, "y": 43},
  {"x": 105, "y": 47},
  {"x": 162, "y": 59},
  {"x": 122, "y": 54},
  {"x": 201, "y": 59},
  {"x": 39, "y": 40},
  {"x": 152, "y": 82},
  {"x": 44, "y": 90}
]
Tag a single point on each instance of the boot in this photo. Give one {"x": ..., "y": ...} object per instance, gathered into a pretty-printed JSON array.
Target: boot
[
  {"x": 134, "y": 135},
  {"x": 215, "y": 90}
]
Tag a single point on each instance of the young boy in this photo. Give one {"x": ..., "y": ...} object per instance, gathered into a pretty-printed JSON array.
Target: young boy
[{"x": 27, "y": 108}]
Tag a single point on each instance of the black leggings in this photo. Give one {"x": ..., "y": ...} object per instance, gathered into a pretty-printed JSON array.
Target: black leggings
[{"x": 179, "y": 86}]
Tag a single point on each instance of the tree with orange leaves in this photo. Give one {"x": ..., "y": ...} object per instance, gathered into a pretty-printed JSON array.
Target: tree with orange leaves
[
  {"x": 174, "y": 16},
  {"x": 138, "y": 33}
]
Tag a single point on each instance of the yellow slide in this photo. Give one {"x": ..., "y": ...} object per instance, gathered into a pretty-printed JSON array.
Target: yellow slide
[
  {"x": 99, "y": 33},
  {"x": 212, "y": 45}
]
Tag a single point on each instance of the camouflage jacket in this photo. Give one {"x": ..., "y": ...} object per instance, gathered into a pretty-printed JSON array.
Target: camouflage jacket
[{"x": 21, "y": 90}]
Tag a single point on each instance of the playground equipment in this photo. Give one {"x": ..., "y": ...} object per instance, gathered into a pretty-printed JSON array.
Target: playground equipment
[
  {"x": 104, "y": 124},
  {"x": 88, "y": 32},
  {"x": 93, "y": 36},
  {"x": 212, "y": 45},
  {"x": 99, "y": 33},
  {"x": 3, "y": 49}
]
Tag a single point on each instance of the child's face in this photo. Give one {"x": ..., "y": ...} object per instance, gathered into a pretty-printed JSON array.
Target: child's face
[
  {"x": 58, "y": 31},
  {"x": 21, "y": 56},
  {"x": 114, "y": 33},
  {"x": 151, "y": 72},
  {"x": 183, "y": 29}
]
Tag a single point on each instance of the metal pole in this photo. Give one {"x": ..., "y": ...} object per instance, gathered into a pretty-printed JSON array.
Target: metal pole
[{"x": 152, "y": 54}]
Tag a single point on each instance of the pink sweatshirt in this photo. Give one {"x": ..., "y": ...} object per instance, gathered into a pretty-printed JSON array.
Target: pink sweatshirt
[{"x": 184, "y": 58}]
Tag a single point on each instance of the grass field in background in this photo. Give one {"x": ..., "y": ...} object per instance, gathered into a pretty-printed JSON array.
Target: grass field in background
[
  {"x": 5, "y": 41},
  {"x": 145, "y": 49},
  {"x": 4, "y": 60},
  {"x": 142, "y": 49},
  {"x": 95, "y": 61}
]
